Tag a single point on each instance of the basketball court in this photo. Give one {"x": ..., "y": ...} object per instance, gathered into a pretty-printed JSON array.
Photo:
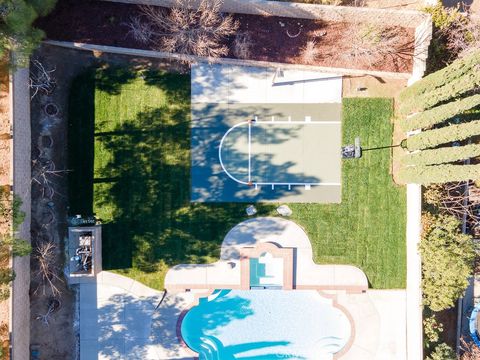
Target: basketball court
[{"x": 261, "y": 134}]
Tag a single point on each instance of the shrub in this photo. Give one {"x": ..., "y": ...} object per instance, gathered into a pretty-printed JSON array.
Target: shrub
[
  {"x": 242, "y": 45},
  {"x": 309, "y": 53},
  {"x": 442, "y": 17},
  {"x": 442, "y": 352},
  {"x": 432, "y": 330},
  {"x": 441, "y": 113},
  {"x": 432, "y": 138},
  {"x": 458, "y": 78},
  {"x": 447, "y": 251},
  {"x": 191, "y": 31},
  {"x": 442, "y": 155},
  {"x": 436, "y": 174}
]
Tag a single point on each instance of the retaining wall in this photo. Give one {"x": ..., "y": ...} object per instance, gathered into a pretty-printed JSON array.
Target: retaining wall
[
  {"x": 20, "y": 115},
  {"x": 421, "y": 21}
]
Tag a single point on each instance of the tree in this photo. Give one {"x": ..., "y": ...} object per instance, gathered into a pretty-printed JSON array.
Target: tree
[
  {"x": 442, "y": 352},
  {"x": 370, "y": 43},
  {"x": 436, "y": 174},
  {"x": 17, "y": 33},
  {"x": 457, "y": 79},
  {"x": 433, "y": 138},
  {"x": 447, "y": 262},
  {"x": 189, "y": 30},
  {"x": 441, "y": 155},
  {"x": 440, "y": 114}
]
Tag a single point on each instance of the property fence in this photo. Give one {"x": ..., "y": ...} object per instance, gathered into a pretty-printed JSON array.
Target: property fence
[{"x": 21, "y": 170}]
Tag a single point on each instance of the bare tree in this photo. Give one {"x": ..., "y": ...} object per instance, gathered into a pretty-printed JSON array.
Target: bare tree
[
  {"x": 42, "y": 172},
  {"x": 453, "y": 198},
  {"x": 370, "y": 43},
  {"x": 309, "y": 53},
  {"x": 191, "y": 30},
  {"x": 47, "y": 271},
  {"x": 140, "y": 30},
  {"x": 41, "y": 79}
]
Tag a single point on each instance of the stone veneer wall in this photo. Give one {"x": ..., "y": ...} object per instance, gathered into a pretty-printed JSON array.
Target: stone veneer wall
[{"x": 20, "y": 117}]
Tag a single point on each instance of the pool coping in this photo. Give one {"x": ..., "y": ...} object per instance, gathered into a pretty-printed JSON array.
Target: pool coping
[{"x": 209, "y": 292}]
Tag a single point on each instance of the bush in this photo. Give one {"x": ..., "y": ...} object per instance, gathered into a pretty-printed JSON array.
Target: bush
[
  {"x": 17, "y": 33},
  {"x": 447, "y": 262},
  {"x": 191, "y": 31},
  {"x": 432, "y": 330},
  {"x": 456, "y": 79},
  {"x": 441, "y": 113},
  {"x": 442, "y": 17},
  {"x": 442, "y": 155},
  {"x": 433, "y": 138},
  {"x": 436, "y": 174},
  {"x": 442, "y": 352}
]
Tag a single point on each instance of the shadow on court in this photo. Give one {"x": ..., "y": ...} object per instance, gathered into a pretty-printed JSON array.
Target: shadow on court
[{"x": 137, "y": 172}]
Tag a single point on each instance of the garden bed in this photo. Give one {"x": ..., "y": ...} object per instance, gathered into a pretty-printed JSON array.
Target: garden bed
[{"x": 105, "y": 23}]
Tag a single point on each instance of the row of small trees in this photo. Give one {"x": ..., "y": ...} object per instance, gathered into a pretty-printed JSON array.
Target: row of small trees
[{"x": 445, "y": 108}]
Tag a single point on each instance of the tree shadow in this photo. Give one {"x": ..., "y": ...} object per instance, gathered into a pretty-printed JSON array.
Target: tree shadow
[{"x": 138, "y": 174}]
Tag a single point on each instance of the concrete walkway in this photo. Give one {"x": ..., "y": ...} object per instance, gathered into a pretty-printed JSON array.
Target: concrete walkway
[
  {"x": 119, "y": 319},
  {"x": 414, "y": 274}
]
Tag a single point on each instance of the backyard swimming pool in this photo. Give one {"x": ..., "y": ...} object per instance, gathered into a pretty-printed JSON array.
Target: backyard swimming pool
[{"x": 265, "y": 324}]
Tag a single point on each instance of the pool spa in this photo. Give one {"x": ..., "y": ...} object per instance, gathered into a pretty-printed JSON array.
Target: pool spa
[{"x": 266, "y": 324}]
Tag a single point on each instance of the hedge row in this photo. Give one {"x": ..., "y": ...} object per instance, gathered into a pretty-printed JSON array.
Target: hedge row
[
  {"x": 433, "y": 138},
  {"x": 436, "y": 174},
  {"x": 439, "y": 114},
  {"x": 442, "y": 155},
  {"x": 456, "y": 79}
]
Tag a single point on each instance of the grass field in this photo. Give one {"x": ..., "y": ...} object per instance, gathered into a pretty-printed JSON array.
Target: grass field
[
  {"x": 368, "y": 228},
  {"x": 129, "y": 149}
]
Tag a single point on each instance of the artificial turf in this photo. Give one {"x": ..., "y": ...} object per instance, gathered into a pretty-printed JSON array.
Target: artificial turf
[{"x": 129, "y": 152}]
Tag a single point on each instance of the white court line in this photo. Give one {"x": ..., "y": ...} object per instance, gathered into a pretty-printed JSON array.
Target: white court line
[
  {"x": 249, "y": 151},
  {"x": 273, "y": 184},
  {"x": 293, "y": 122}
]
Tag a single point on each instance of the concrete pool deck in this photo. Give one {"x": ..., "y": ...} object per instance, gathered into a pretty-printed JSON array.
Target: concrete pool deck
[
  {"x": 123, "y": 319},
  {"x": 119, "y": 319},
  {"x": 284, "y": 234}
]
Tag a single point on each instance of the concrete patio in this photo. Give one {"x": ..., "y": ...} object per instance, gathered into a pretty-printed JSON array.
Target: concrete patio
[{"x": 119, "y": 319}]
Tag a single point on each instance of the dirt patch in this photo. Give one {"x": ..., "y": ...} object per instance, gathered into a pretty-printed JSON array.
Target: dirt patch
[
  {"x": 276, "y": 39},
  {"x": 449, "y": 320},
  {"x": 59, "y": 338},
  {"x": 5, "y": 147},
  {"x": 5, "y": 138}
]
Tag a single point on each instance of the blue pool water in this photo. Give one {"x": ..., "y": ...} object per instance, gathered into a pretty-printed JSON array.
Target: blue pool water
[{"x": 264, "y": 325}]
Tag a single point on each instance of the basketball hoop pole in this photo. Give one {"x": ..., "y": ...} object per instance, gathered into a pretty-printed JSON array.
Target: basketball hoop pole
[{"x": 381, "y": 147}]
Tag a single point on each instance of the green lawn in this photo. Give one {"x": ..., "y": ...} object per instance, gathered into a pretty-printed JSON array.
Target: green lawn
[
  {"x": 129, "y": 147},
  {"x": 368, "y": 228}
]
